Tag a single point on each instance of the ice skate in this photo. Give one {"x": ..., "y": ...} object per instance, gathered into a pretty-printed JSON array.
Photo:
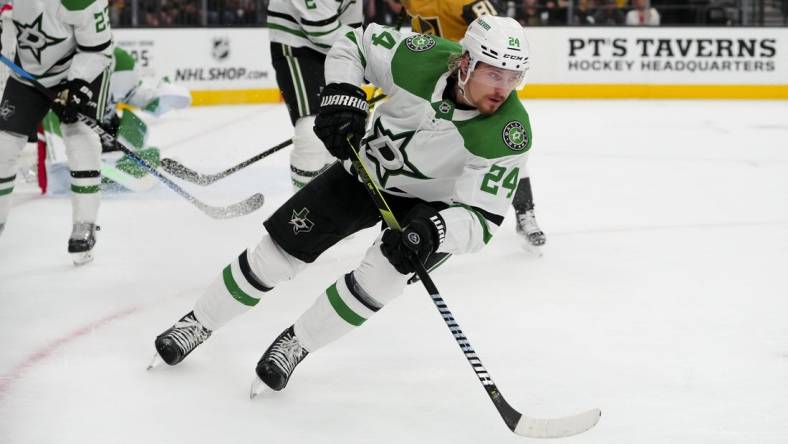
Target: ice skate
[
  {"x": 278, "y": 362},
  {"x": 179, "y": 340},
  {"x": 81, "y": 242},
  {"x": 529, "y": 229}
]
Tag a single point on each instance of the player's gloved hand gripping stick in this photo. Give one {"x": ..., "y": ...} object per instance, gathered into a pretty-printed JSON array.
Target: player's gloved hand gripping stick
[
  {"x": 238, "y": 209},
  {"x": 517, "y": 422}
]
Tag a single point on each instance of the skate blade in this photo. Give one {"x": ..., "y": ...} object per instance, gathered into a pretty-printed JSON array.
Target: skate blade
[
  {"x": 155, "y": 362},
  {"x": 81, "y": 259},
  {"x": 258, "y": 388},
  {"x": 531, "y": 250}
]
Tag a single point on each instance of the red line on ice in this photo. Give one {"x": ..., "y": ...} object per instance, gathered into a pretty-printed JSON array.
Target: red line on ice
[{"x": 18, "y": 372}]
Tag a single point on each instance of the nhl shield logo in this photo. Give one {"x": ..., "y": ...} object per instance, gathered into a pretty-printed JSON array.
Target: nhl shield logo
[
  {"x": 420, "y": 42},
  {"x": 300, "y": 223},
  {"x": 220, "y": 48},
  {"x": 514, "y": 136}
]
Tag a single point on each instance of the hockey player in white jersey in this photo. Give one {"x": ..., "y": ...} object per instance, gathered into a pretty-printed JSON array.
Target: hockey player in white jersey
[
  {"x": 301, "y": 33},
  {"x": 445, "y": 149},
  {"x": 126, "y": 87},
  {"x": 67, "y": 45}
]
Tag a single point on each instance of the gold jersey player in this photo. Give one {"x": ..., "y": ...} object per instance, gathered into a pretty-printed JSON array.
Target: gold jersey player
[{"x": 449, "y": 19}]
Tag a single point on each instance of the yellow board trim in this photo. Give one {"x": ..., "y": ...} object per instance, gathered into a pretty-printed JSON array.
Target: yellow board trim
[
  {"x": 235, "y": 96},
  {"x": 629, "y": 91},
  {"x": 543, "y": 91}
]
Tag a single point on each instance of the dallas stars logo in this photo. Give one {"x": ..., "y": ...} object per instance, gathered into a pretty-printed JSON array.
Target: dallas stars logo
[
  {"x": 387, "y": 151},
  {"x": 514, "y": 136},
  {"x": 420, "y": 42},
  {"x": 32, "y": 38},
  {"x": 7, "y": 110},
  {"x": 300, "y": 222}
]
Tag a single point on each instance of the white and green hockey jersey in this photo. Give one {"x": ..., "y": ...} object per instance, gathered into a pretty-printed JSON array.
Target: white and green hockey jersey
[
  {"x": 420, "y": 145},
  {"x": 60, "y": 40},
  {"x": 314, "y": 24}
]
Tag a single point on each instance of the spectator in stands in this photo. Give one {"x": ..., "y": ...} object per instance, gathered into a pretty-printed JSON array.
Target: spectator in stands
[
  {"x": 608, "y": 13},
  {"x": 642, "y": 14},
  {"x": 554, "y": 13},
  {"x": 583, "y": 14},
  {"x": 530, "y": 13},
  {"x": 383, "y": 12},
  {"x": 151, "y": 17},
  {"x": 116, "y": 10}
]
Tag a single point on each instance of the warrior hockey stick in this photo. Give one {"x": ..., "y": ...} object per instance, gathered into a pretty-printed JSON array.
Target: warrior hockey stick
[
  {"x": 517, "y": 422},
  {"x": 246, "y": 206},
  {"x": 181, "y": 171}
]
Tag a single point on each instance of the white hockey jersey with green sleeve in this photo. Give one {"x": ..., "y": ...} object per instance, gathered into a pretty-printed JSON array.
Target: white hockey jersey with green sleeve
[
  {"x": 63, "y": 39},
  {"x": 420, "y": 145},
  {"x": 314, "y": 24}
]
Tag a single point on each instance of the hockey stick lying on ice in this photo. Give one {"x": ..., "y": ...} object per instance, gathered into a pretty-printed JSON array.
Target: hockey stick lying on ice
[
  {"x": 246, "y": 206},
  {"x": 517, "y": 422},
  {"x": 181, "y": 171}
]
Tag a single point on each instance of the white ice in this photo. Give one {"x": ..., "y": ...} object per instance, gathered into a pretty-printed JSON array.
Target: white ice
[{"x": 661, "y": 297}]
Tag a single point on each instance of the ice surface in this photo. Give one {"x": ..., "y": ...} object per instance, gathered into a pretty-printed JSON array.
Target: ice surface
[{"x": 660, "y": 297}]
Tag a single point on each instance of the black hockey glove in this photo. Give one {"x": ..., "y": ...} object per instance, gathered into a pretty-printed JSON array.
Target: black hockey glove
[
  {"x": 422, "y": 235},
  {"x": 75, "y": 98},
  {"x": 342, "y": 116},
  {"x": 112, "y": 128}
]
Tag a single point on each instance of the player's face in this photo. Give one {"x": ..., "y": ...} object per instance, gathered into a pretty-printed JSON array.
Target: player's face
[{"x": 489, "y": 86}]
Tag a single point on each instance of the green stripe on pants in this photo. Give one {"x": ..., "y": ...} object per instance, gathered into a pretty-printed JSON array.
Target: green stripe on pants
[
  {"x": 341, "y": 308},
  {"x": 85, "y": 190},
  {"x": 235, "y": 291}
]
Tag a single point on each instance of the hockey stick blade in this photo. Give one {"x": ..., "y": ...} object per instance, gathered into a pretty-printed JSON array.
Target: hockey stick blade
[
  {"x": 177, "y": 169},
  {"x": 241, "y": 208},
  {"x": 180, "y": 171},
  {"x": 517, "y": 423},
  {"x": 557, "y": 427}
]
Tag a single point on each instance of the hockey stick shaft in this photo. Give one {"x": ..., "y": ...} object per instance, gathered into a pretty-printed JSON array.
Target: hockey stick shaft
[
  {"x": 517, "y": 422},
  {"x": 238, "y": 209},
  {"x": 181, "y": 171},
  {"x": 509, "y": 415},
  {"x": 177, "y": 169}
]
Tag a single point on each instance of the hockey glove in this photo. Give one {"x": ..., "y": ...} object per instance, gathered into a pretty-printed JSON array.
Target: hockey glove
[
  {"x": 422, "y": 235},
  {"x": 75, "y": 98},
  {"x": 112, "y": 128},
  {"x": 342, "y": 116}
]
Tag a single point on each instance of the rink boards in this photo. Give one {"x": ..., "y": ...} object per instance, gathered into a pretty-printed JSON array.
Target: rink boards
[{"x": 224, "y": 66}]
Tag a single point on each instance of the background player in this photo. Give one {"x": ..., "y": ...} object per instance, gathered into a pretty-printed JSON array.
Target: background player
[
  {"x": 68, "y": 47},
  {"x": 302, "y": 32}
]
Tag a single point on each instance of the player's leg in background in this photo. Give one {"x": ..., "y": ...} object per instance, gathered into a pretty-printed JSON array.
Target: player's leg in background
[
  {"x": 21, "y": 108},
  {"x": 83, "y": 150},
  {"x": 325, "y": 211},
  {"x": 523, "y": 204},
  {"x": 299, "y": 74}
]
